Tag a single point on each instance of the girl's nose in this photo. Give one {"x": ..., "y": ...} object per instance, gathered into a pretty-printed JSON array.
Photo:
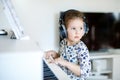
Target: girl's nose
[{"x": 77, "y": 31}]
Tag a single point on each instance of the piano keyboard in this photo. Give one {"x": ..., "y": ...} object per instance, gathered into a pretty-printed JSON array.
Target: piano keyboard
[
  {"x": 53, "y": 72},
  {"x": 48, "y": 74}
]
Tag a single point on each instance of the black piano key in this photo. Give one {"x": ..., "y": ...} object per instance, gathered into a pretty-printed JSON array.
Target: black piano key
[{"x": 48, "y": 74}]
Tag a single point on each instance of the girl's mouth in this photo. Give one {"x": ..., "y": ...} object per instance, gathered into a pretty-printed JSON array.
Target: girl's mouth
[{"x": 76, "y": 36}]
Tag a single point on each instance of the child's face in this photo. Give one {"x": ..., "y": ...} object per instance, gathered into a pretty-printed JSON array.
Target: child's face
[{"x": 75, "y": 30}]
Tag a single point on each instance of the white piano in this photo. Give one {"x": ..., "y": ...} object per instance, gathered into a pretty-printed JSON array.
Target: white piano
[{"x": 23, "y": 60}]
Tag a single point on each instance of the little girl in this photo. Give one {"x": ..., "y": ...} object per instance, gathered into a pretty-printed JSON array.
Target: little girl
[{"x": 73, "y": 55}]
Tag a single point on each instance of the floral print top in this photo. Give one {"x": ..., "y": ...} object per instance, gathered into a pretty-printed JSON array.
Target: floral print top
[{"x": 77, "y": 54}]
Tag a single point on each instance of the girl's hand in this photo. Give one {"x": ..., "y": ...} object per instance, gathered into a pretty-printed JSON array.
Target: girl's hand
[
  {"x": 50, "y": 55},
  {"x": 61, "y": 61}
]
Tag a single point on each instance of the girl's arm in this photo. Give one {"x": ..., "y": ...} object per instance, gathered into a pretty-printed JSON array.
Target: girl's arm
[
  {"x": 83, "y": 69},
  {"x": 71, "y": 66}
]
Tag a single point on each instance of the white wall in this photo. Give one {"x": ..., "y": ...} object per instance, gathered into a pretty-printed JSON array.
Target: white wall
[
  {"x": 3, "y": 19},
  {"x": 40, "y": 17}
]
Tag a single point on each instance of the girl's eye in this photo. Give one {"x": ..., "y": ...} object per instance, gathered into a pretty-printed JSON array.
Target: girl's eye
[
  {"x": 81, "y": 28},
  {"x": 73, "y": 28}
]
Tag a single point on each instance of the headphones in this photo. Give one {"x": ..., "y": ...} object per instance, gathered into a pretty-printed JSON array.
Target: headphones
[{"x": 62, "y": 28}]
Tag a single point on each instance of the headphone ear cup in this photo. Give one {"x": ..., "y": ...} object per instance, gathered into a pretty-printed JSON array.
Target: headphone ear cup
[
  {"x": 86, "y": 29},
  {"x": 63, "y": 32}
]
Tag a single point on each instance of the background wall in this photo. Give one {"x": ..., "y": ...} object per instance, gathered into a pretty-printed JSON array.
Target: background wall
[{"x": 40, "y": 17}]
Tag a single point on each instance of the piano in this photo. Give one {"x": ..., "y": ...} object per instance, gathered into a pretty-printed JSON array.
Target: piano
[{"x": 23, "y": 60}]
